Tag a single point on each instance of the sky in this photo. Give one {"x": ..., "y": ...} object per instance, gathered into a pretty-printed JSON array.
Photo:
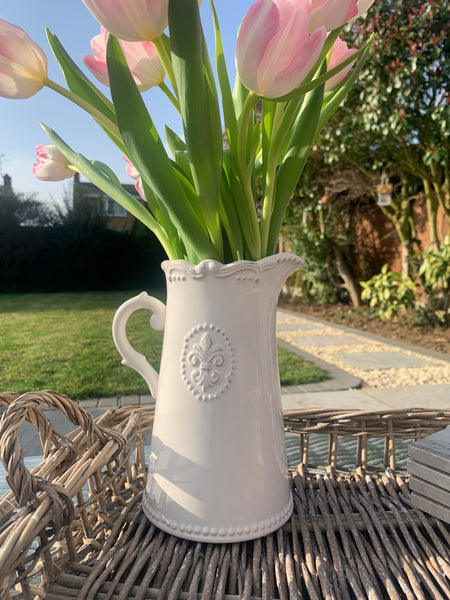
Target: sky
[{"x": 20, "y": 130}]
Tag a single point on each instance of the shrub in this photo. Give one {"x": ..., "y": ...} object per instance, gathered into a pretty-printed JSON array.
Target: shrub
[
  {"x": 434, "y": 272},
  {"x": 391, "y": 292},
  {"x": 318, "y": 281}
]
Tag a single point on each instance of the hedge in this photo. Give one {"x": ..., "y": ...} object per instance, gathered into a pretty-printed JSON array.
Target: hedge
[{"x": 65, "y": 258}]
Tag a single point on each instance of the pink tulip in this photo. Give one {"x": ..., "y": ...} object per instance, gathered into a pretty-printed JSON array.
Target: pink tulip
[
  {"x": 131, "y": 20},
  {"x": 23, "y": 64},
  {"x": 363, "y": 6},
  {"x": 134, "y": 174},
  {"x": 51, "y": 164},
  {"x": 339, "y": 53},
  {"x": 142, "y": 58},
  {"x": 274, "y": 51},
  {"x": 332, "y": 13}
]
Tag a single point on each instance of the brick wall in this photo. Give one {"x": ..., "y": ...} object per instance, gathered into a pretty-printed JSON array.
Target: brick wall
[{"x": 378, "y": 240}]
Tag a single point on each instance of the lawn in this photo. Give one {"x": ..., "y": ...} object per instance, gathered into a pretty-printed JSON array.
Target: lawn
[{"x": 63, "y": 342}]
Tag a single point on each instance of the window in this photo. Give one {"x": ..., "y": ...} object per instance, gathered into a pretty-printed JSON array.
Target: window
[{"x": 107, "y": 207}]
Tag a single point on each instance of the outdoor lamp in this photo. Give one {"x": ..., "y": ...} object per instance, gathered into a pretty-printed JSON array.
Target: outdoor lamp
[{"x": 384, "y": 194}]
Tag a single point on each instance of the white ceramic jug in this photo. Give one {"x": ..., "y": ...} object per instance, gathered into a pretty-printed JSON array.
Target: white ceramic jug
[{"x": 217, "y": 469}]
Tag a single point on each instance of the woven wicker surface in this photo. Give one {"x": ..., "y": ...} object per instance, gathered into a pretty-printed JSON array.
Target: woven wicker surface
[{"x": 74, "y": 528}]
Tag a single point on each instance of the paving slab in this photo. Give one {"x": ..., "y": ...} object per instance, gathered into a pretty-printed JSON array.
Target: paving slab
[
  {"x": 425, "y": 396},
  {"x": 303, "y": 326},
  {"x": 88, "y": 403},
  {"x": 370, "y": 361},
  {"x": 285, "y": 313},
  {"x": 421, "y": 396},
  {"x": 129, "y": 401},
  {"x": 337, "y": 379},
  {"x": 330, "y": 340},
  {"x": 112, "y": 402},
  {"x": 342, "y": 399}
]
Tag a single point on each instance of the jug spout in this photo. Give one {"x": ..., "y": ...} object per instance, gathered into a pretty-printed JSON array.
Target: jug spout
[{"x": 276, "y": 269}]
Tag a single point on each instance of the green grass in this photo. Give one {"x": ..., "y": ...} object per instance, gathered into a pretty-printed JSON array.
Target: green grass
[
  {"x": 63, "y": 342},
  {"x": 294, "y": 370}
]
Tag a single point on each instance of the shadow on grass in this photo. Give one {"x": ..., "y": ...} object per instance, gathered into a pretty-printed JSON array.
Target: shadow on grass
[{"x": 68, "y": 301}]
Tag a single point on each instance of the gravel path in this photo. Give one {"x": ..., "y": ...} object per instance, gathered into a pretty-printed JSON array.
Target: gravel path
[{"x": 340, "y": 347}]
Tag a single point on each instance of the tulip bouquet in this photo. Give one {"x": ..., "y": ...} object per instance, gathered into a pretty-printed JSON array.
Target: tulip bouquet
[{"x": 221, "y": 189}]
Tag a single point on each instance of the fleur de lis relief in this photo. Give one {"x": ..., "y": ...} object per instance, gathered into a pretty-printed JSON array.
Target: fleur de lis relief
[
  {"x": 206, "y": 358},
  {"x": 207, "y": 361}
]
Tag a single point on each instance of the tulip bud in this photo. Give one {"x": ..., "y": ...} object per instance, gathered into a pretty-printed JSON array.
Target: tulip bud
[
  {"x": 51, "y": 164},
  {"x": 23, "y": 64},
  {"x": 339, "y": 53},
  {"x": 274, "y": 51},
  {"x": 142, "y": 58}
]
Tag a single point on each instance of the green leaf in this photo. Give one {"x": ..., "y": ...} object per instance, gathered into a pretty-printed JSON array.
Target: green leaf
[
  {"x": 199, "y": 106},
  {"x": 343, "y": 90},
  {"x": 102, "y": 176},
  {"x": 182, "y": 171},
  {"x": 294, "y": 161},
  {"x": 229, "y": 114},
  {"x": 101, "y": 166},
  {"x": 159, "y": 210},
  {"x": 80, "y": 85},
  {"x": 174, "y": 141},
  {"x": 246, "y": 214},
  {"x": 229, "y": 213},
  {"x": 240, "y": 93},
  {"x": 268, "y": 113},
  {"x": 182, "y": 161},
  {"x": 147, "y": 153}
]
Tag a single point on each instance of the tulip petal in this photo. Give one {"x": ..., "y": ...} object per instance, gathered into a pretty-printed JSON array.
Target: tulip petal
[
  {"x": 51, "y": 164},
  {"x": 259, "y": 26},
  {"x": 339, "y": 53},
  {"x": 283, "y": 48},
  {"x": 134, "y": 174},
  {"x": 142, "y": 59},
  {"x": 23, "y": 64},
  {"x": 98, "y": 44},
  {"x": 331, "y": 13},
  {"x": 145, "y": 64},
  {"x": 274, "y": 51},
  {"x": 97, "y": 68},
  {"x": 131, "y": 20},
  {"x": 363, "y": 6},
  {"x": 305, "y": 59}
]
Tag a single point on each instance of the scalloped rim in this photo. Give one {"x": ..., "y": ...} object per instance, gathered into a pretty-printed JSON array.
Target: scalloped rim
[{"x": 179, "y": 269}]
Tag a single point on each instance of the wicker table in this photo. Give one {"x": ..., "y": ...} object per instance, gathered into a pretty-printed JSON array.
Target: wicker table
[{"x": 74, "y": 528}]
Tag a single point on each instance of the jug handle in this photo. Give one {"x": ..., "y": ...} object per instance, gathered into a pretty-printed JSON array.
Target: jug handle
[{"x": 130, "y": 357}]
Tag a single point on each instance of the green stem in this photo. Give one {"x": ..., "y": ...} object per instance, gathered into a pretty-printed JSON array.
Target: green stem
[
  {"x": 279, "y": 113},
  {"x": 245, "y": 167},
  {"x": 166, "y": 62},
  {"x": 244, "y": 122},
  {"x": 96, "y": 114},
  {"x": 279, "y": 130},
  {"x": 284, "y": 124},
  {"x": 268, "y": 200},
  {"x": 171, "y": 96}
]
